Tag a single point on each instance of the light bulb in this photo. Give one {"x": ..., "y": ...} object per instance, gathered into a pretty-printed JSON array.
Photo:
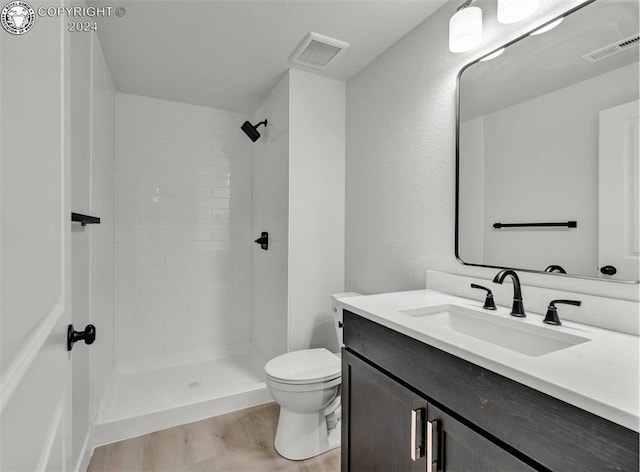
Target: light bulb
[
  {"x": 512, "y": 11},
  {"x": 465, "y": 29}
]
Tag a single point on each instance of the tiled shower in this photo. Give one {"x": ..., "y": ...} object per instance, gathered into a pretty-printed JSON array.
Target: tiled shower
[
  {"x": 182, "y": 230},
  {"x": 198, "y": 307},
  {"x": 182, "y": 250}
]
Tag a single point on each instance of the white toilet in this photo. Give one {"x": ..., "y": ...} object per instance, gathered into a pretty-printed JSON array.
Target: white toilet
[{"x": 306, "y": 385}]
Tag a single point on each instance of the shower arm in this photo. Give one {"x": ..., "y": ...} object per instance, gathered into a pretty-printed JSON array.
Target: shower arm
[{"x": 261, "y": 123}]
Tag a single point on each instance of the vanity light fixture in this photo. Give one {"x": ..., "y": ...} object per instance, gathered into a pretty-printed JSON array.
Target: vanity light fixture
[
  {"x": 465, "y": 28},
  {"x": 548, "y": 27},
  {"x": 492, "y": 55},
  {"x": 512, "y": 11}
]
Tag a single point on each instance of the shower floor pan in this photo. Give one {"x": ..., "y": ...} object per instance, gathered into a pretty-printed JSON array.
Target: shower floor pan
[{"x": 143, "y": 401}]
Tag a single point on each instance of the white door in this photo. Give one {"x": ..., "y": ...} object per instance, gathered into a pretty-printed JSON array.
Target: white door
[
  {"x": 35, "y": 414},
  {"x": 618, "y": 191}
]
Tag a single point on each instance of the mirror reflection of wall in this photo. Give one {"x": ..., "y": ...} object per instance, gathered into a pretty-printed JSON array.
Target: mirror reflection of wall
[{"x": 544, "y": 137}]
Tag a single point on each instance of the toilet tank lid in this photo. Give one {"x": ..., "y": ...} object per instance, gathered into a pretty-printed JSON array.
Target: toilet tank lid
[{"x": 307, "y": 365}]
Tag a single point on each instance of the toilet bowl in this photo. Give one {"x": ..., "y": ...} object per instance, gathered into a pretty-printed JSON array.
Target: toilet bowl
[{"x": 306, "y": 385}]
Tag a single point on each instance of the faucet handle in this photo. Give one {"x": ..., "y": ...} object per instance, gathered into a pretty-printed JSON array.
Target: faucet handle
[
  {"x": 552, "y": 317},
  {"x": 489, "y": 304}
]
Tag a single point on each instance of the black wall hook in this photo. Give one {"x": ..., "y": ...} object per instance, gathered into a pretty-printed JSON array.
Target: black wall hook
[
  {"x": 88, "y": 335},
  {"x": 85, "y": 220}
]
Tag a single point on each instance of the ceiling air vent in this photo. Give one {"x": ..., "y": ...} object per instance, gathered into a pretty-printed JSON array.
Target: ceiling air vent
[
  {"x": 612, "y": 49},
  {"x": 317, "y": 50}
]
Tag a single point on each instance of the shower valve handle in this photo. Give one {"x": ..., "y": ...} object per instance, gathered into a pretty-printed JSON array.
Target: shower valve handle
[{"x": 263, "y": 240}]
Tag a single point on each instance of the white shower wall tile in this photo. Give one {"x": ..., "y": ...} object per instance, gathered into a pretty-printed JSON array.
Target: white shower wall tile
[{"x": 182, "y": 229}]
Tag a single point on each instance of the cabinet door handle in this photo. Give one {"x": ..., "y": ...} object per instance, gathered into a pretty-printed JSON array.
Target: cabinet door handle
[
  {"x": 417, "y": 421},
  {"x": 432, "y": 445}
]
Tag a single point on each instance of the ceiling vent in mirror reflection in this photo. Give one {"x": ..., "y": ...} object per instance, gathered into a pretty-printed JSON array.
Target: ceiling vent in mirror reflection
[
  {"x": 612, "y": 49},
  {"x": 317, "y": 50}
]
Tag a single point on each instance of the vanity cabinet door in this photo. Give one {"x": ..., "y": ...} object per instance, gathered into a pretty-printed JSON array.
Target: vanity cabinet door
[
  {"x": 384, "y": 429},
  {"x": 461, "y": 449},
  {"x": 377, "y": 421}
]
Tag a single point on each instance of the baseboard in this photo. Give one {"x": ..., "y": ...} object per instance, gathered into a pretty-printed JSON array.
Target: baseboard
[{"x": 85, "y": 455}]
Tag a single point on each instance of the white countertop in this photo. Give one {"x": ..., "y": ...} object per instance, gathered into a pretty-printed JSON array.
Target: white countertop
[{"x": 601, "y": 376}]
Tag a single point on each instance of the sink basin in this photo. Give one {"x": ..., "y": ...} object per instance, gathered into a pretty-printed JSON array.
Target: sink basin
[{"x": 512, "y": 334}]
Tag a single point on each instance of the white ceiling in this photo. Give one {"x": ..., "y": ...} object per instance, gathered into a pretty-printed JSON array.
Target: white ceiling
[{"x": 229, "y": 54}]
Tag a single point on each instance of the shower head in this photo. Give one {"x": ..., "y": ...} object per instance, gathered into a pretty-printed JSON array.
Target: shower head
[{"x": 252, "y": 130}]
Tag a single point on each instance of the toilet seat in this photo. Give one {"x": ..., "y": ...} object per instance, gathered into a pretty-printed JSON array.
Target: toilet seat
[
  {"x": 274, "y": 384},
  {"x": 307, "y": 366}
]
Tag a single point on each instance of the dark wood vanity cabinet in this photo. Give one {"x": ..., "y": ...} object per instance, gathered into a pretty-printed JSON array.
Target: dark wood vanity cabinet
[
  {"x": 387, "y": 423},
  {"x": 403, "y": 398}
]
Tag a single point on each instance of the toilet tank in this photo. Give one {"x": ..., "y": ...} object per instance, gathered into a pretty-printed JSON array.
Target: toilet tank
[{"x": 337, "y": 312}]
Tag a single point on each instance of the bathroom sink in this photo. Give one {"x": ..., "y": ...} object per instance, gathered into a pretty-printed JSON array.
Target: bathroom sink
[{"x": 512, "y": 334}]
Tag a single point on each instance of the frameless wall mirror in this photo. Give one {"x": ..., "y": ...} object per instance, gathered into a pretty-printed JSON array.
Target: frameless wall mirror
[{"x": 547, "y": 149}]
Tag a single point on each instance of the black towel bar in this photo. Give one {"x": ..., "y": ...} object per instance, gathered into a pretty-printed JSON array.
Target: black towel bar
[{"x": 568, "y": 224}]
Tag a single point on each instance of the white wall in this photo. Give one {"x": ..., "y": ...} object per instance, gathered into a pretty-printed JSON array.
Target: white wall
[
  {"x": 401, "y": 159},
  {"x": 270, "y": 156},
  {"x": 80, "y": 145},
  {"x": 316, "y": 207},
  {"x": 91, "y": 146},
  {"x": 102, "y": 262},
  {"x": 182, "y": 230},
  {"x": 551, "y": 179},
  {"x": 298, "y": 197}
]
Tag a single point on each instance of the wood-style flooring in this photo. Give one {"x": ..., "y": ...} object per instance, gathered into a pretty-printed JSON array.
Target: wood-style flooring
[{"x": 239, "y": 441}]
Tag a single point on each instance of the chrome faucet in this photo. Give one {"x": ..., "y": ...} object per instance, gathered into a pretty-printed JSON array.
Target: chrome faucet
[{"x": 518, "y": 307}]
